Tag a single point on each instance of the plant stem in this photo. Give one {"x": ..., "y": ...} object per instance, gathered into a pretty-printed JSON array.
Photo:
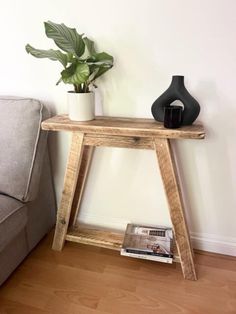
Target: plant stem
[
  {"x": 81, "y": 88},
  {"x": 85, "y": 88}
]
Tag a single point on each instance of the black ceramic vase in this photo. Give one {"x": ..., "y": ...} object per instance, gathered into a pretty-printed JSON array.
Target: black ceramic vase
[{"x": 177, "y": 91}]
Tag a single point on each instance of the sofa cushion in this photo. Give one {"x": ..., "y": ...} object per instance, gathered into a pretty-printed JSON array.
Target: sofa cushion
[
  {"x": 22, "y": 146},
  {"x": 13, "y": 218}
]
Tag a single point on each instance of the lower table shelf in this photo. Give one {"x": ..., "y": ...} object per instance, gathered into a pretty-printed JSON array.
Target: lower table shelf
[
  {"x": 101, "y": 238},
  {"x": 106, "y": 239}
]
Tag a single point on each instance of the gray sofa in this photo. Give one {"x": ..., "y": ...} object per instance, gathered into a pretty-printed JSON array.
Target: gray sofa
[{"x": 27, "y": 202}]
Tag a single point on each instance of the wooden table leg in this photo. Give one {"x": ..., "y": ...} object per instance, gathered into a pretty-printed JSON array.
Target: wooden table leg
[
  {"x": 173, "y": 193},
  {"x": 83, "y": 174},
  {"x": 71, "y": 176}
]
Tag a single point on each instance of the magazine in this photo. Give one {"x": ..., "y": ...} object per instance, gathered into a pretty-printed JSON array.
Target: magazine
[
  {"x": 155, "y": 258},
  {"x": 148, "y": 242}
]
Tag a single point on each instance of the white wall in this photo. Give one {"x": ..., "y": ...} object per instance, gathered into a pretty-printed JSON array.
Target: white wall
[{"x": 150, "y": 40}]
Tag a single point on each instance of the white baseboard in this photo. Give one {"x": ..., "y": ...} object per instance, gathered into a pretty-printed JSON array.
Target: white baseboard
[
  {"x": 201, "y": 241},
  {"x": 214, "y": 243}
]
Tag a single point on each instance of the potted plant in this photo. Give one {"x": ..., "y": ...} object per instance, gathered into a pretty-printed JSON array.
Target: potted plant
[{"x": 82, "y": 66}]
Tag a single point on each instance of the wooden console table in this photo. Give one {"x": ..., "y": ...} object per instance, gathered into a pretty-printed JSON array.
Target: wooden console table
[{"x": 128, "y": 133}]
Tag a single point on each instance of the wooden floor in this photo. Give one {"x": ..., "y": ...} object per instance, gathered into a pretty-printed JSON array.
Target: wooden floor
[{"x": 86, "y": 280}]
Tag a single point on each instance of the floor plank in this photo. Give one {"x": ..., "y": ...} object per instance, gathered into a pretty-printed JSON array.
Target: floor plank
[{"x": 86, "y": 280}]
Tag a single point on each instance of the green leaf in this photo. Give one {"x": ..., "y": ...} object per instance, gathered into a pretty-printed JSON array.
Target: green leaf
[
  {"x": 55, "y": 55},
  {"x": 70, "y": 57},
  {"x": 65, "y": 38},
  {"x": 75, "y": 73},
  {"x": 93, "y": 74},
  {"x": 89, "y": 45},
  {"x": 102, "y": 69},
  {"x": 101, "y": 57},
  {"x": 99, "y": 63},
  {"x": 98, "y": 70}
]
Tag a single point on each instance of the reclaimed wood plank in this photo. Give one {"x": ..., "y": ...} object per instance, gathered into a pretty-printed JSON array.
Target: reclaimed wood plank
[
  {"x": 71, "y": 175},
  {"x": 81, "y": 182},
  {"x": 97, "y": 237},
  {"x": 118, "y": 141},
  {"x": 136, "y": 127},
  {"x": 173, "y": 193}
]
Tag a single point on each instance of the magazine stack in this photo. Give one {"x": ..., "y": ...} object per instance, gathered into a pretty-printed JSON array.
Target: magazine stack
[{"x": 152, "y": 243}]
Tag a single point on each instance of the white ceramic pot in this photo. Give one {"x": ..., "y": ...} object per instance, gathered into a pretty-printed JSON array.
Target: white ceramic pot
[{"x": 81, "y": 106}]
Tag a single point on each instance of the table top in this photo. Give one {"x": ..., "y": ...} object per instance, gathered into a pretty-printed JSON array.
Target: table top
[{"x": 136, "y": 127}]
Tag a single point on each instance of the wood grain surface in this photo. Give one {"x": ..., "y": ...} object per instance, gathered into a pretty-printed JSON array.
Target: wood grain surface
[
  {"x": 118, "y": 141},
  {"x": 124, "y": 127},
  {"x": 71, "y": 176},
  {"x": 97, "y": 237},
  {"x": 83, "y": 279},
  {"x": 87, "y": 155},
  {"x": 170, "y": 181}
]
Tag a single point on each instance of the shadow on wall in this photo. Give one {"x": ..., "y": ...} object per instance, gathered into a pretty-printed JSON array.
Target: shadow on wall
[{"x": 209, "y": 167}]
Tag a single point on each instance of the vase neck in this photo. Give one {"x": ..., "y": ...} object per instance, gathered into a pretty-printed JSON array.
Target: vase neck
[{"x": 177, "y": 80}]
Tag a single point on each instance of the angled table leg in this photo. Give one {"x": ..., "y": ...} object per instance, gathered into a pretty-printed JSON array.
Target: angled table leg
[
  {"x": 71, "y": 176},
  {"x": 81, "y": 182},
  {"x": 172, "y": 189}
]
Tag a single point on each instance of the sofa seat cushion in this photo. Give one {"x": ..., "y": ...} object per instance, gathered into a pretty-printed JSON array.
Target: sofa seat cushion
[
  {"x": 22, "y": 145},
  {"x": 13, "y": 218}
]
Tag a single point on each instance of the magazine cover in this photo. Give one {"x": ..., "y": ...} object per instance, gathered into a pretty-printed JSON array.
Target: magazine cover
[{"x": 153, "y": 241}]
